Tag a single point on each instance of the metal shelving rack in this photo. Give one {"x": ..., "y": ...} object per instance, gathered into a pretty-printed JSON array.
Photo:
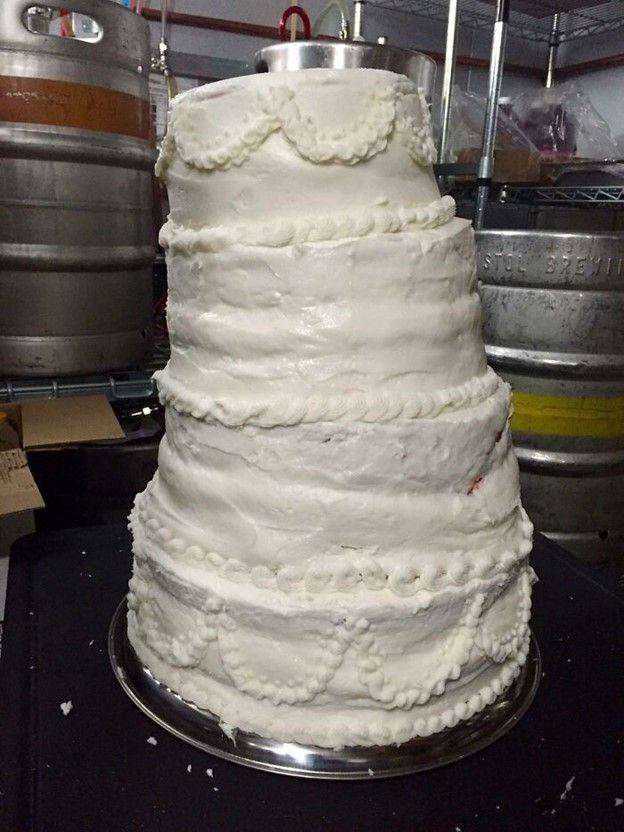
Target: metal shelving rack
[
  {"x": 553, "y": 25},
  {"x": 611, "y": 195},
  {"x": 573, "y": 24}
]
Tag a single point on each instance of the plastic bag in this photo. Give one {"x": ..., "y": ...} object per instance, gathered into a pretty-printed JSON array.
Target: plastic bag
[
  {"x": 563, "y": 123},
  {"x": 516, "y": 158}
]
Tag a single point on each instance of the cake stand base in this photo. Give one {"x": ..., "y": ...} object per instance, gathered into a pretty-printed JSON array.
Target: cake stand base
[{"x": 201, "y": 728}]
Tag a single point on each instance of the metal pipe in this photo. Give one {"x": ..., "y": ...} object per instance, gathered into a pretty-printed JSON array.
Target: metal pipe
[
  {"x": 358, "y": 19},
  {"x": 553, "y": 47},
  {"x": 448, "y": 80},
  {"x": 486, "y": 163},
  {"x": 164, "y": 8},
  {"x": 342, "y": 9},
  {"x": 452, "y": 29}
]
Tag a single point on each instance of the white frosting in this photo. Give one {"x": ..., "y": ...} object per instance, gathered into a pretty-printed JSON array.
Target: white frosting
[
  {"x": 333, "y": 549},
  {"x": 353, "y": 326}
]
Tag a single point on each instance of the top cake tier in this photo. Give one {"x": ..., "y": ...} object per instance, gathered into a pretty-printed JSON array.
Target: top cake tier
[
  {"x": 256, "y": 136},
  {"x": 310, "y": 254}
]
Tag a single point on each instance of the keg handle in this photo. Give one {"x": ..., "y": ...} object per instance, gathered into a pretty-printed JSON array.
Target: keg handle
[
  {"x": 107, "y": 16},
  {"x": 296, "y": 10}
]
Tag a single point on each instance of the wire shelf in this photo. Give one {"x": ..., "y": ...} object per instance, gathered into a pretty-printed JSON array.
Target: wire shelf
[
  {"x": 574, "y": 24},
  {"x": 572, "y": 195}
]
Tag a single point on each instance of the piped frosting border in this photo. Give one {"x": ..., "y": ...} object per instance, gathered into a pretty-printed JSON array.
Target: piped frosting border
[
  {"x": 371, "y": 406},
  {"x": 383, "y": 112},
  {"x": 354, "y": 224}
]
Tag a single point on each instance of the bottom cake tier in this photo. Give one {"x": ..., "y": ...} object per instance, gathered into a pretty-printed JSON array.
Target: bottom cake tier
[{"x": 369, "y": 667}]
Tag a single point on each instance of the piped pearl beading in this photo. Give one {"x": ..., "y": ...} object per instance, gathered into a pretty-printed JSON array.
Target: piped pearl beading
[
  {"x": 371, "y": 407},
  {"x": 332, "y": 573},
  {"x": 353, "y": 224}
]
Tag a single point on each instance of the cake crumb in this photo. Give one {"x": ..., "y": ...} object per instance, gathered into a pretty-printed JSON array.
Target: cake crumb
[
  {"x": 66, "y": 707},
  {"x": 568, "y": 788},
  {"x": 215, "y": 788},
  {"x": 152, "y": 740},
  {"x": 91, "y": 642},
  {"x": 618, "y": 801},
  {"x": 209, "y": 772},
  {"x": 189, "y": 767},
  {"x": 370, "y": 772},
  {"x": 229, "y": 731}
]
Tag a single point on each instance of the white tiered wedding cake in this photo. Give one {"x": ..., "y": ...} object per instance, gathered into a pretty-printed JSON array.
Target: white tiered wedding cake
[{"x": 333, "y": 550}]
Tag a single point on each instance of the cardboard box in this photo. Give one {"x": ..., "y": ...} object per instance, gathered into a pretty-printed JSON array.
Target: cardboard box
[{"x": 46, "y": 423}]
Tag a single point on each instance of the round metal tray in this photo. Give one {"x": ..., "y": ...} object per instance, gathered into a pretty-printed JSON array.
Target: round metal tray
[
  {"x": 321, "y": 54},
  {"x": 201, "y": 728}
]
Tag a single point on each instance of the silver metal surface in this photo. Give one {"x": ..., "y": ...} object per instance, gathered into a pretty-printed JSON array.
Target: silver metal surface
[
  {"x": 486, "y": 162},
  {"x": 358, "y": 19},
  {"x": 201, "y": 728},
  {"x": 452, "y": 30},
  {"x": 119, "y": 61},
  {"x": 76, "y": 227},
  {"x": 121, "y": 386},
  {"x": 310, "y": 54},
  {"x": 553, "y": 305},
  {"x": 553, "y": 48}
]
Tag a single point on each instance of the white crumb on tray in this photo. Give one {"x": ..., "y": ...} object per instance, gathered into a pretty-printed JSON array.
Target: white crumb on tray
[
  {"x": 152, "y": 740},
  {"x": 91, "y": 642},
  {"x": 618, "y": 801},
  {"x": 209, "y": 772},
  {"x": 568, "y": 788},
  {"x": 66, "y": 707},
  {"x": 189, "y": 768},
  {"x": 370, "y": 772},
  {"x": 215, "y": 788},
  {"x": 229, "y": 731}
]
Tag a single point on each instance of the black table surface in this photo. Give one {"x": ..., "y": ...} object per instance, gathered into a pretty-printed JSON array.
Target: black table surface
[{"x": 559, "y": 769}]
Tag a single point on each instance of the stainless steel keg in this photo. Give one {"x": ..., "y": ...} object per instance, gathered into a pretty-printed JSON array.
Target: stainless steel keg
[
  {"x": 314, "y": 54},
  {"x": 553, "y": 306},
  {"x": 76, "y": 235}
]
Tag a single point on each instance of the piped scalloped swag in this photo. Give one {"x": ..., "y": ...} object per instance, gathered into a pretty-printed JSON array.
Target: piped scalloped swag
[{"x": 383, "y": 112}]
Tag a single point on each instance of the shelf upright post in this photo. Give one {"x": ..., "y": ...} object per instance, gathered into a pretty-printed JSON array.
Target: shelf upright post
[
  {"x": 358, "y": 19},
  {"x": 448, "y": 80},
  {"x": 553, "y": 46},
  {"x": 486, "y": 162}
]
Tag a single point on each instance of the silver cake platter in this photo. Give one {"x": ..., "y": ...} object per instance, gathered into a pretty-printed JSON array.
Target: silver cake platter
[
  {"x": 321, "y": 54},
  {"x": 201, "y": 728}
]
